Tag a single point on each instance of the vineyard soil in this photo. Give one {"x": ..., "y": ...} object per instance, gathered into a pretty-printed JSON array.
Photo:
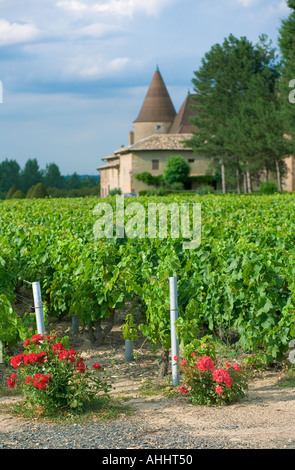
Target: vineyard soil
[{"x": 265, "y": 418}]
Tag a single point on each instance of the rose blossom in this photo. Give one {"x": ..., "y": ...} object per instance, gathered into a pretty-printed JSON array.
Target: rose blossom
[
  {"x": 35, "y": 358},
  {"x": 222, "y": 376},
  {"x": 57, "y": 347},
  {"x": 41, "y": 380},
  {"x": 37, "y": 338},
  {"x": 68, "y": 354},
  {"x": 17, "y": 360},
  {"x": 11, "y": 380},
  {"x": 205, "y": 363},
  {"x": 80, "y": 366}
]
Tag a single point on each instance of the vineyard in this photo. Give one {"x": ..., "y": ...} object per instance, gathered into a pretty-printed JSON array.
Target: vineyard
[{"x": 237, "y": 285}]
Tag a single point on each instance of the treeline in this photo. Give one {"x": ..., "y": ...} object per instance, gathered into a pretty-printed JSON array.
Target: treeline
[
  {"x": 31, "y": 181},
  {"x": 244, "y": 114}
]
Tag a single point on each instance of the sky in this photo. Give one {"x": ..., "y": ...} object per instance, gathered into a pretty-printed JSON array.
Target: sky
[{"x": 74, "y": 73}]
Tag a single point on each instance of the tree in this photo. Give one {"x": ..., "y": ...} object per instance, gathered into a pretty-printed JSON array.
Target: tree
[
  {"x": 74, "y": 182},
  {"x": 255, "y": 133},
  {"x": 39, "y": 191},
  {"x": 30, "y": 191},
  {"x": 53, "y": 177},
  {"x": 11, "y": 192},
  {"x": 9, "y": 175},
  {"x": 31, "y": 175},
  {"x": 222, "y": 87},
  {"x": 18, "y": 195},
  {"x": 177, "y": 170}
]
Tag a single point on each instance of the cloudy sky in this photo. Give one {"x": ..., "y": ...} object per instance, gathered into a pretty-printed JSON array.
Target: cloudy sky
[{"x": 75, "y": 72}]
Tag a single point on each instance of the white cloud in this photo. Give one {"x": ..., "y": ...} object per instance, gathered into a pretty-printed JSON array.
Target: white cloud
[
  {"x": 247, "y": 3},
  {"x": 98, "y": 30},
  {"x": 272, "y": 5},
  {"x": 11, "y": 33},
  {"x": 117, "y": 7},
  {"x": 71, "y": 5},
  {"x": 88, "y": 68}
]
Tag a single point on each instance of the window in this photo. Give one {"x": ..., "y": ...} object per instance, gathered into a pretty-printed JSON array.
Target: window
[
  {"x": 155, "y": 164},
  {"x": 191, "y": 160}
]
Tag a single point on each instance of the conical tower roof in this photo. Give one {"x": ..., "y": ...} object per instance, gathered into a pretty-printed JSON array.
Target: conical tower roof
[
  {"x": 157, "y": 106},
  {"x": 181, "y": 123}
]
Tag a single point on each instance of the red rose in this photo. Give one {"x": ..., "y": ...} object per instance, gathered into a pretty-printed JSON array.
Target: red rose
[
  {"x": 68, "y": 355},
  {"x": 31, "y": 358},
  {"x": 205, "y": 363},
  {"x": 96, "y": 366},
  {"x": 219, "y": 389},
  {"x": 57, "y": 347},
  {"x": 11, "y": 380},
  {"x": 35, "y": 358},
  {"x": 222, "y": 376},
  {"x": 37, "y": 338},
  {"x": 41, "y": 380},
  {"x": 183, "y": 390},
  {"x": 17, "y": 360},
  {"x": 80, "y": 366}
]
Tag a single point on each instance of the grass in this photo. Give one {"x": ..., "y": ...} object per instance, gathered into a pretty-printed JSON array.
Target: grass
[
  {"x": 288, "y": 379},
  {"x": 100, "y": 410},
  {"x": 151, "y": 388}
]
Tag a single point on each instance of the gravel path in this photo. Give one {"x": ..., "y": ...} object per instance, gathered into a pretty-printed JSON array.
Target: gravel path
[{"x": 120, "y": 434}]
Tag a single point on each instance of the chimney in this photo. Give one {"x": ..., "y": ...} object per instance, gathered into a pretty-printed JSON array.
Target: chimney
[{"x": 131, "y": 137}]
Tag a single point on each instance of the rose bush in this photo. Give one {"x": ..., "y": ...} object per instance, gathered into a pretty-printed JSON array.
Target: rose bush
[
  {"x": 52, "y": 377},
  {"x": 206, "y": 384}
]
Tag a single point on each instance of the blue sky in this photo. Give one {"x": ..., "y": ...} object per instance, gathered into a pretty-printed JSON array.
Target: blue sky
[{"x": 75, "y": 72}]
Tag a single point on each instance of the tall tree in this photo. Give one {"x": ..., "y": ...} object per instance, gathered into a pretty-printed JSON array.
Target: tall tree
[
  {"x": 53, "y": 177},
  {"x": 222, "y": 86},
  {"x": 74, "y": 182},
  {"x": 9, "y": 175},
  {"x": 256, "y": 131},
  {"x": 30, "y": 175}
]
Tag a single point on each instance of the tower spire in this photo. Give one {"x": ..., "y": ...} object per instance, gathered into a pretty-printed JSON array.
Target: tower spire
[{"x": 157, "y": 105}]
